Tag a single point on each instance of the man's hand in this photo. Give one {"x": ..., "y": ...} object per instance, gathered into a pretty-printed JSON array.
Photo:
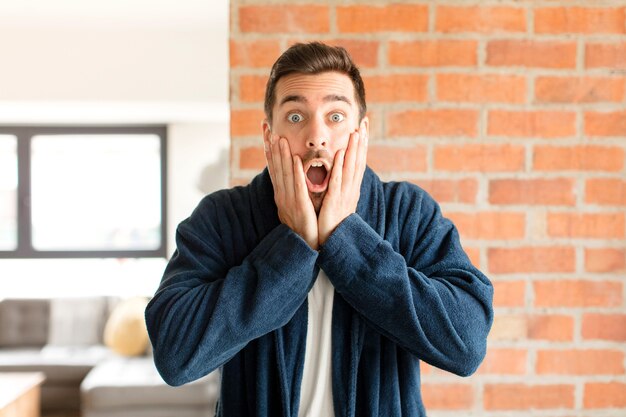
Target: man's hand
[
  {"x": 344, "y": 188},
  {"x": 295, "y": 208}
]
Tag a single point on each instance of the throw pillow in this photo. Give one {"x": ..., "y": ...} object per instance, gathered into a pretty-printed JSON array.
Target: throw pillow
[{"x": 125, "y": 332}]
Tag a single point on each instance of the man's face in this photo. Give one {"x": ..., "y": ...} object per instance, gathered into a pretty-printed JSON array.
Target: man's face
[{"x": 316, "y": 114}]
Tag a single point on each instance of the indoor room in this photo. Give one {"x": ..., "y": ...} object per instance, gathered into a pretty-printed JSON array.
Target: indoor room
[{"x": 312, "y": 208}]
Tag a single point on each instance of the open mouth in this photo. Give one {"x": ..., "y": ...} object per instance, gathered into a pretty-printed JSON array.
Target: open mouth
[{"x": 317, "y": 176}]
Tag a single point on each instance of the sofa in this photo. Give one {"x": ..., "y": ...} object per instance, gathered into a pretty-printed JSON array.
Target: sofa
[{"x": 66, "y": 339}]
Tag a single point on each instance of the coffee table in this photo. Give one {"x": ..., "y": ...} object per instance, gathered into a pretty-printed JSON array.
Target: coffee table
[{"x": 20, "y": 393}]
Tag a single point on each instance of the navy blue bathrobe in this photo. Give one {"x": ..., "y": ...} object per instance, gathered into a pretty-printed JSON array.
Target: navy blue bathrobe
[{"x": 234, "y": 295}]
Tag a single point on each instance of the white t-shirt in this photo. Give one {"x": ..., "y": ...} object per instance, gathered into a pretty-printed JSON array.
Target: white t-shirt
[{"x": 316, "y": 394}]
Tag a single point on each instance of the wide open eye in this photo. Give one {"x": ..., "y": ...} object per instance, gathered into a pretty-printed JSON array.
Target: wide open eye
[
  {"x": 295, "y": 117},
  {"x": 337, "y": 117}
]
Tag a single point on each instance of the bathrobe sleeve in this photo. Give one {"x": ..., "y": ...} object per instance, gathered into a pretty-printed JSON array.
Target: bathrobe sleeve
[
  {"x": 418, "y": 288},
  {"x": 206, "y": 310}
]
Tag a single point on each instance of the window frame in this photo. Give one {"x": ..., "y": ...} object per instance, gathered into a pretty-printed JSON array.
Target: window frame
[{"x": 24, "y": 135}]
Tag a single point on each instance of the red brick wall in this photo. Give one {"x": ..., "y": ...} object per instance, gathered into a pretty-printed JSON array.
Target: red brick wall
[{"x": 513, "y": 115}]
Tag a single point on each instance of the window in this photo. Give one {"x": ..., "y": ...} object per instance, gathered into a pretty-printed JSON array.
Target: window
[
  {"x": 8, "y": 192},
  {"x": 82, "y": 192}
]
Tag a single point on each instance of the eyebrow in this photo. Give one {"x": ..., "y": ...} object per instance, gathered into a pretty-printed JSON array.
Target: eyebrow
[{"x": 301, "y": 99}]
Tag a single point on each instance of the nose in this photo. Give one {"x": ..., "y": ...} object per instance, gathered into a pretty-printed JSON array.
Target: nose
[
  {"x": 317, "y": 136},
  {"x": 316, "y": 143}
]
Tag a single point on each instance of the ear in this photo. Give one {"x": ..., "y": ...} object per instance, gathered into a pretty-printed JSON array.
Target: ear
[{"x": 267, "y": 130}]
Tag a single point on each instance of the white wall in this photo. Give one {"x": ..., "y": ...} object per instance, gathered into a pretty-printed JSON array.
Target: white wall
[
  {"x": 113, "y": 64},
  {"x": 198, "y": 164},
  {"x": 119, "y": 62}
]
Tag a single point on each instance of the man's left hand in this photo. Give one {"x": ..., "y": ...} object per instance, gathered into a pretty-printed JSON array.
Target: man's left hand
[{"x": 344, "y": 187}]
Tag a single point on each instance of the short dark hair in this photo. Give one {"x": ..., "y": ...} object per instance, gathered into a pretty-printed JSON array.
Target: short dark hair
[{"x": 314, "y": 58}]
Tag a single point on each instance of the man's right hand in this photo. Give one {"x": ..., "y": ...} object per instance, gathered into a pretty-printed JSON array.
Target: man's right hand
[{"x": 295, "y": 208}]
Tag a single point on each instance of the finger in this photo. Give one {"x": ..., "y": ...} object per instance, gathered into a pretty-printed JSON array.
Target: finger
[
  {"x": 268, "y": 156},
  {"x": 277, "y": 165},
  {"x": 300, "y": 187},
  {"x": 361, "y": 159},
  {"x": 267, "y": 143},
  {"x": 350, "y": 159},
  {"x": 336, "y": 176},
  {"x": 287, "y": 168}
]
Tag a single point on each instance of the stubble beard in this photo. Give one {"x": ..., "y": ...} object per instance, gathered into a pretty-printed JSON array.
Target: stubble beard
[{"x": 317, "y": 199}]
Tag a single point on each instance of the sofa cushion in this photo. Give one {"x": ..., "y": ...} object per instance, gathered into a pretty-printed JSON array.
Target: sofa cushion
[
  {"x": 24, "y": 322},
  {"x": 151, "y": 411},
  {"x": 77, "y": 321},
  {"x": 135, "y": 382},
  {"x": 60, "y": 365}
]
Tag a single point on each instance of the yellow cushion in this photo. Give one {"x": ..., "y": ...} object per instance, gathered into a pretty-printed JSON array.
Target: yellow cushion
[{"x": 125, "y": 332}]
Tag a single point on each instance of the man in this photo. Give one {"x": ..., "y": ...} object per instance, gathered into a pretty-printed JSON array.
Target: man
[{"x": 317, "y": 288}]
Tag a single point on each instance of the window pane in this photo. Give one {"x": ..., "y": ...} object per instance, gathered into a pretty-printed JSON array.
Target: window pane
[
  {"x": 96, "y": 192},
  {"x": 8, "y": 192}
]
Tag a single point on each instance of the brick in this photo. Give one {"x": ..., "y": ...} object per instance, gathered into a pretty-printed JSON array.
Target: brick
[
  {"x": 508, "y": 327},
  {"x": 531, "y": 259},
  {"x": 504, "y": 396},
  {"x": 246, "y": 122},
  {"x": 252, "y": 157},
  {"x": 579, "y": 89},
  {"x": 604, "y": 395},
  {"x": 257, "y": 53},
  {"x": 490, "y": 225},
  {"x": 492, "y": 88},
  {"x": 605, "y": 123},
  {"x": 556, "y": 191},
  {"x": 388, "y": 18},
  {"x": 504, "y": 362},
  {"x": 479, "y": 157},
  {"x": 554, "y": 328},
  {"x": 393, "y": 159},
  {"x": 604, "y": 327},
  {"x": 605, "y": 55},
  {"x": 450, "y": 191},
  {"x": 580, "y": 362},
  {"x": 605, "y": 260},
  {"x": 284, "y": 18},
  {"x": 234, "y": 182},
  {"x": 605, "y": 191},
  {"x": 577, "y": 293},
  {"x": 509, "y": 293},
  {"x": 586, "y": 225},
  {"x": 252, "y": 88},
  {"x": 396, "y": 87},
  {"x": 433, "y": 53},
  {"x": 364, "y": 53},
  {"x": 531, "y": 54},
  {"x": 579, "y": 20},
  {"x": 578, "y": 158},
  {"x": 447, "y": 396},
  {"x": 474, "y": 255},
  {"x": 451, "y": 19},
  {"x": 531, "y": 124},
  {"x": 444, "y": 122}
]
